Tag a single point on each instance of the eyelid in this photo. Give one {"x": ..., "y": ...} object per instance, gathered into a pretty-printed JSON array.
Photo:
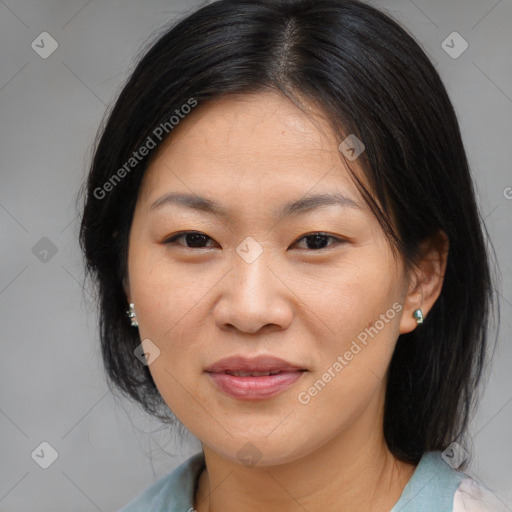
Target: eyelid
[
  {"x": 172, "y": 238},
  {"x": 337, "y": 239}
]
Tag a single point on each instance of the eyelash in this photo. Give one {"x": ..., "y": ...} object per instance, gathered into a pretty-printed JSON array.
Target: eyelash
[{"x": 172, "y": 240}]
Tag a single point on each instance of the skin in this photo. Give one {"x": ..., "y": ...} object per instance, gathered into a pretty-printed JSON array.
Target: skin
[{"x": 253, "y": 153}]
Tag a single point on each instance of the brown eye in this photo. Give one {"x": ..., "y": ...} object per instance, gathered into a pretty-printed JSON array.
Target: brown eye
[
  {"x": 318, "y": 241},
  {"x": 193, "y": 239},
  {"x": 198, "y": 240}
]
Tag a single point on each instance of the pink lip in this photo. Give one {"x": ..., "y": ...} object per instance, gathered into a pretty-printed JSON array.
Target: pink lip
[
  {"x": 254, "y": 387},
  {"x": 256, "y": 364}
]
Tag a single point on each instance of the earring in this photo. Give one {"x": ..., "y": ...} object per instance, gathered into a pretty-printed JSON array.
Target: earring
[
  {"x": 131, "y": 315},
  {"x": 418, "y": 315}
]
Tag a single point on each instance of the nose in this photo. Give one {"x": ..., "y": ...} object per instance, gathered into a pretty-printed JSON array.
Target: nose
[{"x": 253, "y": 297}]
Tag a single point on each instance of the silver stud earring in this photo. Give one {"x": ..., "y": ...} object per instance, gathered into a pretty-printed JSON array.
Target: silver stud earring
[
  {"x": 418, "y": 315},
  {"x": 131, "y": 315}
]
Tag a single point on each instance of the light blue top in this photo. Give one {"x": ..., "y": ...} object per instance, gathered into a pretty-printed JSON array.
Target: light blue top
[{"x": 430, "y": 489}]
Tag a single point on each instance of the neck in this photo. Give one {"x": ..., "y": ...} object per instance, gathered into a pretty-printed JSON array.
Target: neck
[{"x": 353, "y": 472}]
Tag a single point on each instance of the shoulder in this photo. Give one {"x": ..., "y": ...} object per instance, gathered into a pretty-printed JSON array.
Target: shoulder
[
  {"x": 148, "y": 500},
  {"x": 437, "y": 486},
  {"x": 172, "y": 492},
  {"x": 472, "y": 496}
]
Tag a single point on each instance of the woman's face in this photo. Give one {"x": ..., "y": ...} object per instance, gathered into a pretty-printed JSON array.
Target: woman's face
[{"x": 255, "y": 281}]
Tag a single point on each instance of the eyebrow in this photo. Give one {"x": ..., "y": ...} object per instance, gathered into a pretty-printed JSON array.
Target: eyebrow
[{"x": 297, "y": 207}]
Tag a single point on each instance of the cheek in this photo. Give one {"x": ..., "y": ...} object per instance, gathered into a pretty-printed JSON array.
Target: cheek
[
  {"x": 352, "y": 362},
  {"x": 171, "y": 302},
  {"x": 356, "y": 312},
  {"x": 166, "y": 295},
  {"x": 352, "y": 296}
]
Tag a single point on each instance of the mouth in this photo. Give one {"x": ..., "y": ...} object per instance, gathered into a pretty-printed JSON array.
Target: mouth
[
  {"x": 238, "y": 373},
  {"x": 262, "y": 365},
  {"x": 254, "y": 379}
]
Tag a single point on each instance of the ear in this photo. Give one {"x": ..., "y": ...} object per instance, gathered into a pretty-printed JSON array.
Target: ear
[{"x": 426, "y": 280}]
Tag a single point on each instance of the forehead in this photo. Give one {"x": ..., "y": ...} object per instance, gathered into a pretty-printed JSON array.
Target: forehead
[
  {"x": 254, "y": 122},
  {"x": 259, "y": 142}
]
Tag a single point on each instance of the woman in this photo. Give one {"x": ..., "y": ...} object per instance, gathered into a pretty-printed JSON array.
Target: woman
[{"x": 282, "y": 225}]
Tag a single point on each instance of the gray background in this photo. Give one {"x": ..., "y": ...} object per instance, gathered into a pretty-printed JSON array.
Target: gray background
[{"x": 52, "y": 386}]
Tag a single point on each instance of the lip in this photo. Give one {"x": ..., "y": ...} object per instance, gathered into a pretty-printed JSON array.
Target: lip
[
  {"x": 256, "y": 364},
  {"x": 254, "y": 387}
]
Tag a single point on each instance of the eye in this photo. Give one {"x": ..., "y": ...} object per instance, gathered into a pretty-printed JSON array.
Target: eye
[
  {"x": 198, "y": 240},
  {"x": 193, "y": 239},
  {"x": 316, "y": 241}
]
